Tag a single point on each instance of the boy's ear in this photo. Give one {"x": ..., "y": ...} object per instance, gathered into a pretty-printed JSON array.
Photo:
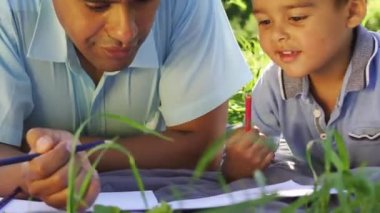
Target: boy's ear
[{"x": 357, "y": 10}]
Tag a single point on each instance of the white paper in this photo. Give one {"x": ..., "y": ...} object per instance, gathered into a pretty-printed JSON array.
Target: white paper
[
  {"x": 134, "y": 200},
  {"x": 127, "y": 200},
  {"x": 122, "y": 200},
  {"x": 285, "y": 189}
]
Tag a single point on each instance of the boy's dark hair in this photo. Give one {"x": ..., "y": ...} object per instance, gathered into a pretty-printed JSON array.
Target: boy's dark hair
[{"x": 340, "y": 2}]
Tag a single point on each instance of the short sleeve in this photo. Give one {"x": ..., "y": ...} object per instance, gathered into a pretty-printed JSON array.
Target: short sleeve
[
  {"x": 15, "y": 86},
  {"x": 204, "y": 66},
  {"x": 265, "y": 103}
]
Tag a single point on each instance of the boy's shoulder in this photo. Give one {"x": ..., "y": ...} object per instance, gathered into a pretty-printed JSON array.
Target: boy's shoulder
[
  {"x": 376, "y": 35},
  {"x": 270, "y": 75},
  {"x": 271, "y": 71},
  {"x": 269, "y": 81}
]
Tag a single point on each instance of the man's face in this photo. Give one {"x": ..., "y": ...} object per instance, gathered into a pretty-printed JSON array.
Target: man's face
[
  {"x": 303, "y": 36},
  {"x": 106, "y": 33}
]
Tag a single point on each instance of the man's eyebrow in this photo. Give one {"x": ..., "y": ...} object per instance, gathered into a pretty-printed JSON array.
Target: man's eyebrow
[
  {"x": 290, "y": 6},
  {"x": 99, "y": 1}
]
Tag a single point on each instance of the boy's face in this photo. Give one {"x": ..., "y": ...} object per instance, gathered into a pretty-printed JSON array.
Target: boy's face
[
  {"x": 106, "y": 33},
  {"x": 303, "y": 36}
]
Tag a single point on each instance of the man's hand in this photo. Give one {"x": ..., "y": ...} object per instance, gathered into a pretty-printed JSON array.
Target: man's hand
[
  {"x": 46, "y": 177},
  {"x": 246, "y": 152}
]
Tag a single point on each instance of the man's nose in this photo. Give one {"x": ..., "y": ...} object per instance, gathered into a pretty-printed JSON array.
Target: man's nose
[{"x": 122, "y": 25}]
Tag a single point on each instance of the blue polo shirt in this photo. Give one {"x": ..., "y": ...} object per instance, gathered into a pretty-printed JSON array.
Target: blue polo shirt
[
  {"x": 189, "y": 64},
  {"x": 284, "y": 106}
]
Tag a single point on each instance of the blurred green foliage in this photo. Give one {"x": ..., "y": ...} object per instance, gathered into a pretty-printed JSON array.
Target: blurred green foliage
[{"x": 244, "y": 26}]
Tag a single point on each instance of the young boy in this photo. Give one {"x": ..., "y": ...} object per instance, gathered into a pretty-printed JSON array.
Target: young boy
[{"x": 324, "y": 76}]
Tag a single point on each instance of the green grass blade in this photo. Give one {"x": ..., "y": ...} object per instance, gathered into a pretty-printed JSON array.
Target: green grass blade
[
  {"x": 71, "y": 205},
  {"x": 87, "y": 179},
  {"x": 137, "y": 126},
  {"x": 342, "y": 151},
  {"x": 131, "y": 162},
  {"x": 309, "y": 160},
  {"x": 208, "y": 156}
]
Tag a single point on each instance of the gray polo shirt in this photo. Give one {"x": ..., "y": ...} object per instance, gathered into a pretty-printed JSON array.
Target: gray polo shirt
[{"x": 284, "y": 106}]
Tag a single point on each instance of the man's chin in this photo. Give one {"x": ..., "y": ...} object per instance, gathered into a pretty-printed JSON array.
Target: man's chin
[{"x": 112, "y": 67}]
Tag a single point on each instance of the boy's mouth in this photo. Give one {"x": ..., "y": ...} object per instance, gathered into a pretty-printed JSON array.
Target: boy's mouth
[{"x": 288, "y": 56}]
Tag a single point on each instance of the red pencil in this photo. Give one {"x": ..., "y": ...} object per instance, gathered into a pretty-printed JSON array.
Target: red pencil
[{"x": 248, "y": 112}]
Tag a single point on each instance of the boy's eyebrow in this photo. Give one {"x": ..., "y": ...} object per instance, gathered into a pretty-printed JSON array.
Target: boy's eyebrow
[
  {"x": 300, "y": 5},
  {"x": 290, "y": 6}
]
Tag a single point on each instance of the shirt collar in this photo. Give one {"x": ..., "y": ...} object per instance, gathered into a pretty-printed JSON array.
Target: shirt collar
[
  {"x": 364, "y": 51},
  {"x": 49, "y": 41}
]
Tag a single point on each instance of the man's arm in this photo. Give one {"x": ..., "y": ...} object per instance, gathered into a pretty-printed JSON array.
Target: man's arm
[
  {"x": 190, "y": 140},
  {"x": 7, "y": 184},
  {"x": 45, "y": 177}
]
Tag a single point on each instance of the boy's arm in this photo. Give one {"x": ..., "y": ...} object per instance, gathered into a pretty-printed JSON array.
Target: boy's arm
[
  {"x": 190, "y": 140},
  {"x": 246, "y": 152}
]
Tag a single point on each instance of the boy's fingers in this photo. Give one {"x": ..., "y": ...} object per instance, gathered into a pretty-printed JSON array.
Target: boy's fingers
[
  {"x": 267, "y": 160},
  {"x": 248, "y": 139},
  {"x": 236, "y": 136}
]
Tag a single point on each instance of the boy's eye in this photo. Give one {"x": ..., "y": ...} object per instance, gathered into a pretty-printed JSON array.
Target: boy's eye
[
  {"x": 264, "y": 22},
  {"x": 297, "y": 18}
]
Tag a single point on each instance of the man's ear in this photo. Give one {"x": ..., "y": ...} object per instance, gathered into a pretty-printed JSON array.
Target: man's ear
[{"x": 357, "y": 10}]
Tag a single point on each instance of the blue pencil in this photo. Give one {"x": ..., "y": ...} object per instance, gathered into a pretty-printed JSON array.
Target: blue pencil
[
  {"x": 28, "y": 157},
  {"x": 8, "y": 199}
]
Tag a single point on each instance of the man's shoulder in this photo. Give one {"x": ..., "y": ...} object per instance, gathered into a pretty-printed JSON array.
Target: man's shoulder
[
  {"x": 19, "y": 12},
  {"x": 181, "y": 9},
  {"x": 20, "y": 5}
]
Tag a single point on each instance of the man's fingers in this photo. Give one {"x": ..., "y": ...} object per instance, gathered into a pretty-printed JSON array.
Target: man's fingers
[
  {"x": 48, "y": 163},
  {"x": 92, "y": 190},
  {"x": 43, "y": 138},
  {"x": 59, "y": 199},
  {"x": 54, "y": 183},
  {"x": 38, "y": 135}
]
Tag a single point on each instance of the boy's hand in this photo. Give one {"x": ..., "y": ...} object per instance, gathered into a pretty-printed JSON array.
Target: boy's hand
[
  {"x": 46, "y": 177},
  {"x": 246, "y": 152}
]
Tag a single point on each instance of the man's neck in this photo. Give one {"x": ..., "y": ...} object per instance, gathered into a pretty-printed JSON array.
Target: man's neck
[{"x": 91, "y": 70}]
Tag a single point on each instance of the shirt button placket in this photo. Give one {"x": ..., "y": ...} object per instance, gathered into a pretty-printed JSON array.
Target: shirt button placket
[{"x": 317, "y": 116}]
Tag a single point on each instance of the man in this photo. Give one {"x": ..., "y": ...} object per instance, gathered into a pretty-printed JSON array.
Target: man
[{"x": 170, "y": 65}]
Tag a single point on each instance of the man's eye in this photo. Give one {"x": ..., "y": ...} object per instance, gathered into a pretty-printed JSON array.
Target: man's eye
[
  {"x": 143, "y": 1},
  {"x": 98, "y": 6},
  {"x": 298, "y": 18}
]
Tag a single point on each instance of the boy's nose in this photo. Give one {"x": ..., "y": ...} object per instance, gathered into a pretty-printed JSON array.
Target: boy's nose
[
  {"x": 121, "y": 25},
  {"x": 279, "y": 33}
]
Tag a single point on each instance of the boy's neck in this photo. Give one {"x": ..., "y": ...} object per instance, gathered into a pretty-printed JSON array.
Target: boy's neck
[{"x": 326, "y": 84}]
